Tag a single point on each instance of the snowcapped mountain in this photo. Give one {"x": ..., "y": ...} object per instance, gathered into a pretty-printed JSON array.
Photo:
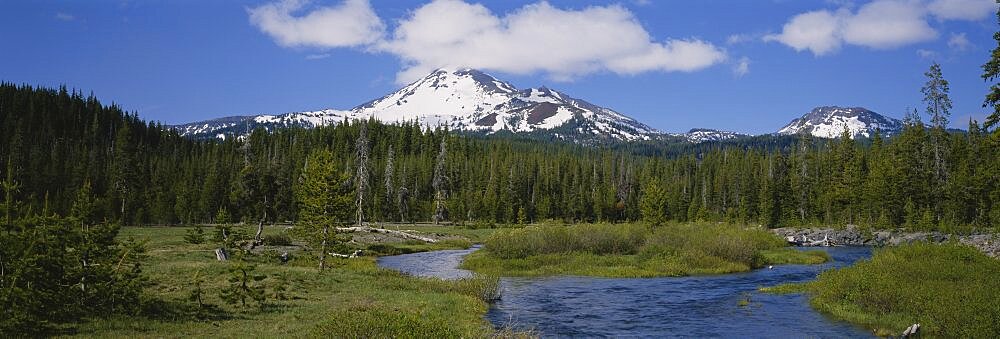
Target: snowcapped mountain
[
  {"x": 242, "y": 125},
  {"x": 699, "y": 135},
  {"x": 829, "y": 122},
  {"x": 466, "y": 100}
]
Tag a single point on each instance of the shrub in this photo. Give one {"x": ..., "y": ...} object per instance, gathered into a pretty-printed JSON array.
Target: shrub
[
  {"x": 621, "y": 250},
  {"x": 611, "y": 239},
  {"x": 244, "y": 284},
  {"x": 485, "y": 287},
  {"x": 195, "y": 235},
  {"x": 277, "y": 240},
  {"x": 950, "y": 289},
  {"x": 45, "y": 281},
  {"x": 731, "y": 243}
]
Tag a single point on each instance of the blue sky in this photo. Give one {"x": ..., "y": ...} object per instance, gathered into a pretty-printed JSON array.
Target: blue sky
[{"x": 674, "y": 65}]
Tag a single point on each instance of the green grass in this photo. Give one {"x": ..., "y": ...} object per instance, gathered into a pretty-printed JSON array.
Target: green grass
[
  {"x": 783, "y": 256},
  {"x": 354, "y": 298},
  {"x": 951, "y": 290},
  {"x": 633, "y": 250}
]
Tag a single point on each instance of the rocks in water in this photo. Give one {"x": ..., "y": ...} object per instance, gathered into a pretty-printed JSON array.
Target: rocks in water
[{"x": 851, "y": 235}]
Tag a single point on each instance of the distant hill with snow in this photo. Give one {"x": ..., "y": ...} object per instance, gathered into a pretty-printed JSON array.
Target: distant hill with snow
[
  {"x": 830, "y": 122},
  {"x": 465, "y": 100},
  {"x": 475, "y": 102}
]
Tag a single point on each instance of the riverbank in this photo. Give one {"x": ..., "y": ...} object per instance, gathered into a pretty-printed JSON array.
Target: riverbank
[
  {"x": 633, "y": 250},
  {"x": 852, "y": 235},
  {"x": 949, "y": 289},
  {"x": 711, "y": 306},
  {"x": 186, "y": 284}
]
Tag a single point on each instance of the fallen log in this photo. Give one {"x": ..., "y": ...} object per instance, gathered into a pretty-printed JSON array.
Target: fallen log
[
  {"x": 356, "y": 254},
  {"x": 381, "y": 230}
]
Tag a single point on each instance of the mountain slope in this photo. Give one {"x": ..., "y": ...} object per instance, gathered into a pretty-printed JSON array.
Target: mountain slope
[
  {"x": 699, "y": 135},
  {"x": 830, "y": 121},
  {"x": 466, "y": 100}
]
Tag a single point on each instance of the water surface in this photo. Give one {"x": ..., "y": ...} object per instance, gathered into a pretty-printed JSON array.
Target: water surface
[{"x": 702, "y": 306}]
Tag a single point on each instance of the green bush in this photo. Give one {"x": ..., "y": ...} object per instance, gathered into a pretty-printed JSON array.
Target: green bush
[
  {"x": 950, "y": 289},
  {"x": 595, "y": 238},
  {"x": 195, "y": 235},
  {"x": 45, "y": 282},
  {"x": 627, "y": 250},
  {"x": 277, "y": 240},
  {"x": 731, "y": 243},
  {"x": 485, "y": 287},
  {"x": 244, "y": 284}
]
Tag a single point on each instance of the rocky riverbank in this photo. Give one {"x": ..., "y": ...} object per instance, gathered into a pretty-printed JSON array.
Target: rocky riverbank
[{"x": 853, "y": 236}]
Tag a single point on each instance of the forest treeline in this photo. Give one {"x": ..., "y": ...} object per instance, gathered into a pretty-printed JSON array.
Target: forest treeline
[{"x": 54, "y": 142}]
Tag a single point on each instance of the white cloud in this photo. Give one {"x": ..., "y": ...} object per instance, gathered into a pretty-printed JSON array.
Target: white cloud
[
  {"x": 65, "y": 16},
  {"x": 742, "y": 67},
  {"x": 927, "y": 54},
  {"x": 887, "y": 24},
  {"x": 962, "y": 9},
  {"x": 735, "y": 39},
  {"x": 817, "y": 31},
  {"x": 352, "y": 23},
  {"x": 539, "y": 38},
  {"x": 317, "y": 56},
  {"x": 879, "y": 24},
  {"x": 958, "y": 42}
]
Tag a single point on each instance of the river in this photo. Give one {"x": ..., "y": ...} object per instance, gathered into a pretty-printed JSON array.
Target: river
[{"x": 700, "y": 306}]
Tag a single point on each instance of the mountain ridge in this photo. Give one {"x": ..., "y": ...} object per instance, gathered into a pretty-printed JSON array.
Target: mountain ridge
[
  {"x": 464, "y": 99},
  {"x": 472, "y": 101},
  {"x": 831, "y": 121}
]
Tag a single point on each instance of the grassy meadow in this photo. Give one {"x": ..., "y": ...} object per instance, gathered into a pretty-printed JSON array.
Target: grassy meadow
[
  {"x": 633, "y": 250},
  {"x": 353, "y": 298},
  {"x": 951, "y": 290}
]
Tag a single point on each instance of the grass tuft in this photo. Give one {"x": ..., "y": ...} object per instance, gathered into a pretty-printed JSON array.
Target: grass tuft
[
  {"x": 633, "y": 250},
  {"x": 949, "y": 289}
]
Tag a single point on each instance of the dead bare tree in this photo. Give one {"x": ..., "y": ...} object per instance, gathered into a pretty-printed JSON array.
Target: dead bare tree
[
  {"x": 389, "y": 183},
  {"x": 361, "y": 175},
  {"x": 440, "y": 184}
]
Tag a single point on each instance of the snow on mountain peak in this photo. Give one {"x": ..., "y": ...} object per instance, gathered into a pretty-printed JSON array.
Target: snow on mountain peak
[
  {"x": 462, "y": 99},
  {"x": 473, "y": 101},
  {"x": 699, "y": 135},
  {"x": 830, "y": 121}
]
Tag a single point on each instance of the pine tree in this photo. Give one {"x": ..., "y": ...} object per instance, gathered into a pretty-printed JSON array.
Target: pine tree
[
  {"x": 324, "y": 200},
  {"x": 991, "y": 71},
  {"x": 10, "y": 187},
  {"x": 939, "y": 105},
  {"x": 124, "y": 169},
  {"x": 655, "y": 203},
  {"x": 801, "y": 180}
]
